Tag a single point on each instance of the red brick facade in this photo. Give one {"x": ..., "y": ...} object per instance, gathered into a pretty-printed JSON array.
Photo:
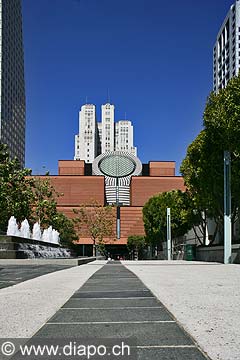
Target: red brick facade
[
  {"x": 78, "y": 189},
  {"x": 144, "y": 187},
  {"x": 162, "y": 168},
  {"x": 71, "y": 167}
]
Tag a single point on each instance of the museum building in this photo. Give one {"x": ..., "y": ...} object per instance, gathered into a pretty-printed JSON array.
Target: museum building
[{"x": 114, "y": 178}]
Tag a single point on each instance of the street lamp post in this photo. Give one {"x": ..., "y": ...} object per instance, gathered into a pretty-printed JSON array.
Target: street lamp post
[
  {"x": 169, "y": 245},
  {"x": 227, "y": 209}
]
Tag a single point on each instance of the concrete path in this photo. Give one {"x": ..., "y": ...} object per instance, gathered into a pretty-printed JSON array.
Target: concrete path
[
  {"x": 25, "y": 307},
  {"x": 14, "y": 274},
  {"x": 203, "y": 297},
  {"x": 114, "y": 304}
]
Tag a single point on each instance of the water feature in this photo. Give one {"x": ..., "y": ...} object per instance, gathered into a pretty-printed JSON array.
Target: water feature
[
  {"x": 26, "y": 244},
  {"x": 49, "y": 235},
  {"x": 13, "y": 229},
  {"x": 36, "y": 232},
  {"x": 25, "y": 229},
  {"x": 55, "y": 236}
]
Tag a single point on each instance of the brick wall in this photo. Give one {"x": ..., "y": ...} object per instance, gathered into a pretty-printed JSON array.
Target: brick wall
[
  {"x": 142, "y": 188},
  {"x": 78, "y": 189},
  {"x": 162, "y": 168},
  {"x": 71, "y": 167}
]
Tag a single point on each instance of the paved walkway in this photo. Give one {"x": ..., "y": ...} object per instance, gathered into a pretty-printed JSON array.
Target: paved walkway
[
  {"x": 14, "y": 274},
  {"x": 25, "y": 307},
  {"x": 114, "y": 303},
  {"x": 203, "y": 297}
]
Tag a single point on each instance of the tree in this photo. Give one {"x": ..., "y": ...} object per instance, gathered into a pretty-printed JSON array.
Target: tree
[
  {"x": 65, "y": 227},
  {"x": 16, "y": 194},
  {"x": 95, "y": 221},
  {"x": 45, "y": 203},
  {"x": 136, "y": 243},
  {"x": 204, "y": 194},
  {"x": 44, "y": 210},
  {"x": 155, "y": 216},
  {"x": 202, "y": 168},
  {"x": 222, "y": 126}
]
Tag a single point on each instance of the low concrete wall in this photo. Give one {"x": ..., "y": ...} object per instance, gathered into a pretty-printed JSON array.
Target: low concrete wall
[
  {"x": 70, "y": 262},
  {"x": 216, "y": 254},
  {"x": 16, "y": 247}
]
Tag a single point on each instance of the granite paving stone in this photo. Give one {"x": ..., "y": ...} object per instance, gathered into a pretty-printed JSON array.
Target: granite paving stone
[
  {"x": 15, "y": 274},
  {"x": 115, "y": 304},
  {"x": 74, "y": 315}
]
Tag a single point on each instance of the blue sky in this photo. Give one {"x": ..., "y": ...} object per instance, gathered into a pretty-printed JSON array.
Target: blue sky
[{"x": 154, "y": 56}]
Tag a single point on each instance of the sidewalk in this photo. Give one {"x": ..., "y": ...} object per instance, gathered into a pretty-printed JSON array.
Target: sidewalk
[
  {"x": 114, "y": 304},
  {"x": 203, "y": 297},
  {"x": 25, "y": 307}
]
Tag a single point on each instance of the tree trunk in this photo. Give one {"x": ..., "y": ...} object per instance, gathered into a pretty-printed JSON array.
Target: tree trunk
[{"x": 94, "y": 248}]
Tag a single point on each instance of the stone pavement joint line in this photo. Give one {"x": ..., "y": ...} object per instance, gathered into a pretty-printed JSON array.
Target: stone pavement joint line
[{"x": 144, "y": 318}]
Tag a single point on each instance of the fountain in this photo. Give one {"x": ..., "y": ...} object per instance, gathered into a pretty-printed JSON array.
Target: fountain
[
  {"x": 13, "y": 227},
  {"x": 55, "y": 237},
  {"x": 19, "y": 244},
  {"x": 36, "y": 233},
  {"x": 25, "y": 229}
]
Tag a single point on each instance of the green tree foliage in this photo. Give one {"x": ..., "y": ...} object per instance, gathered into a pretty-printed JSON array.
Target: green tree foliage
[
  {"x": 136, "y": 243},
  {"x": 97, "y": 222},
  {"x": 33, "y": 198},
  {"x": 222, "y": 126},
  {"x": 155, "y": 216},
  {"x": 45, "y": 203},
  {"x": 15, "y": 189},
  {"x": 202, "y": 167},
  {"x": 65, "y": 227},
  {"x": 202, "y": 192},
  {"x": 44, "y": 210}
]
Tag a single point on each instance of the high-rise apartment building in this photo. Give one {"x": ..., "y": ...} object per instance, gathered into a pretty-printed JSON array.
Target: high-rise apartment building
[
  {"x": 124, "y": 137},
  {"x": 226, "y": 52},
  {"x": 107, "y": 139},
  {"x": 12, "y": 85},
  {"x": 86, "y": 141},
  {"x": 97, "y": 138}
]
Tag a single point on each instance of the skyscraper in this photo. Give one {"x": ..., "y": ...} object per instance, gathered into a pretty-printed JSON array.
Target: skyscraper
[
  {"x": 107, "y": 139},
  {"x": 226, "y": 52},
  {"x": 124, "y": 137},
  {"x": 86, "y": 141},
  {"x": 95, "y": 138},
  {"x": 12, "y": 89}
]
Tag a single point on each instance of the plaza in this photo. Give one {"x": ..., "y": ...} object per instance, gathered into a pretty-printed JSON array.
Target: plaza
[
  {"x": 170, "y": 307},
  {"x": 159, "y": 153}
]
